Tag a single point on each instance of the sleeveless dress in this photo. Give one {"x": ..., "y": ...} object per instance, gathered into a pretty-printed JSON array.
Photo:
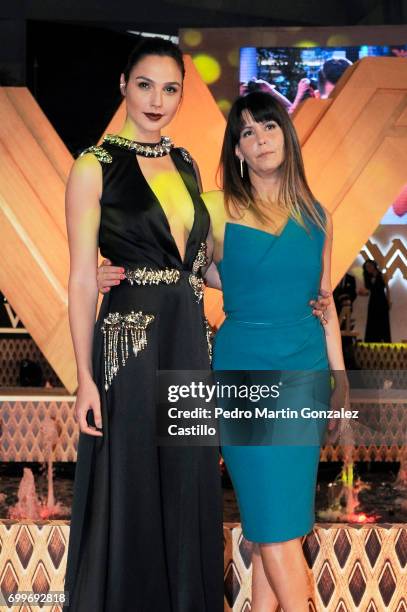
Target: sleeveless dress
[
  {"x": 146, "y": 526},
  {"x": 267, "y": 282}
]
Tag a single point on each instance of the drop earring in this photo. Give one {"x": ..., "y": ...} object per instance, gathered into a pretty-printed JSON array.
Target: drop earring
[{"x": 241, "y": 168}]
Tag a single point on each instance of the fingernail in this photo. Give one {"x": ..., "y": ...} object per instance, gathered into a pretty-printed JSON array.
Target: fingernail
[
  {"x": 122, "y": 276},
  {"x": 117, "y": 283}
]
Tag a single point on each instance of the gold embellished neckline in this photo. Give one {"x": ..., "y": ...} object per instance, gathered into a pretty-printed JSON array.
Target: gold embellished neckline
[{"x": 144, "y": 149}]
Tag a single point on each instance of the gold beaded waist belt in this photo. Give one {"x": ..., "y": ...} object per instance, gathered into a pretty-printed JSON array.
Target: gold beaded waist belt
[
  {"x": 151, "y": 276},
  {"x": 170, "y": 276},
  {"x": 165, "y": 276}
]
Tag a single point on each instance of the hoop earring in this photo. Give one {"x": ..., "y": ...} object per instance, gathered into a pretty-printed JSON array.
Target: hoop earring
[{"x": 241, "y": 168}]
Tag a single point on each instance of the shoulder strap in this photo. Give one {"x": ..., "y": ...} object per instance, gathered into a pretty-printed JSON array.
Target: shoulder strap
[
  {"x": 100, "y": 153},
  {"x": 187, "y": 157}
]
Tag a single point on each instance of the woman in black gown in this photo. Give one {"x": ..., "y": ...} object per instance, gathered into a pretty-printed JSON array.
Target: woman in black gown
[
  {"x": 146, "y": 520},
  {"x": 378, "y": 315}
]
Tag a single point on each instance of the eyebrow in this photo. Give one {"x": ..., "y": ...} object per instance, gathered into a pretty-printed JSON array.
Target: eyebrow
[
  {"x": 151, "y": 81},
  {"x": 248, "y": 125}
]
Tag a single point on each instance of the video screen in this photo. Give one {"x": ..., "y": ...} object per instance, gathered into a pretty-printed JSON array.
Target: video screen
[{"x": 298, "y": 73}]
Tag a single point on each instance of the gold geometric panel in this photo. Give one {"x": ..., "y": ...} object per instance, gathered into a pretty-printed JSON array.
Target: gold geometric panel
[
  {"x": 33, "y": 558},
  {"x": 23, "y": 419},
  {"x": 22, "y": 424},
  {"x": 352, "y": 569},
  {"x": 16, "y": 349},
  {"x": 381, "y": 356}
]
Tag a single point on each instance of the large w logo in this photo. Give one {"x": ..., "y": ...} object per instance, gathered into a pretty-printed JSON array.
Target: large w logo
[{"x": 395, "y": 258}]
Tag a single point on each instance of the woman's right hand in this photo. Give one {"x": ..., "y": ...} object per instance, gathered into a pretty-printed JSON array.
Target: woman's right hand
[
  {"x": 88, "y": 398},
  {"x": 107, "y": 276}
]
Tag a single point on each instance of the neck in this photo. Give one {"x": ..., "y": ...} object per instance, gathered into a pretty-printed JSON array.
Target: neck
[
  {"x": 267, "y": 187},
  {"x": 133, "y": 132}
]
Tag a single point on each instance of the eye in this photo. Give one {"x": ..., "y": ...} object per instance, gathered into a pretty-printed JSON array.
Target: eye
[
  {"x": 270, "y": 125},
  {"x": 171, "y": 90},
  {"x": 247, "y": 132},
  {"x": 144, "y": 85}
]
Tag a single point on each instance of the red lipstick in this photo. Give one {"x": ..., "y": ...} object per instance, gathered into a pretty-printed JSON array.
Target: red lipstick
[{"x": 153, "y": 116}]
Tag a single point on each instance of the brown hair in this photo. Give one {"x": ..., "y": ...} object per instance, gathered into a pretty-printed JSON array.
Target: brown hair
[{"x": 295, "y": 195}]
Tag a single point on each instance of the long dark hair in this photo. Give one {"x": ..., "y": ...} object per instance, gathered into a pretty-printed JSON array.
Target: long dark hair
[
  {"x": 154, "y": 46},
  {"x": 367, "y": 276},
  {"x": 295, "y": 195}
]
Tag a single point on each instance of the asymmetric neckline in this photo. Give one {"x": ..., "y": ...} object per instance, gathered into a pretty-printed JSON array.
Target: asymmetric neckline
[{"x": 256, "y": 229}]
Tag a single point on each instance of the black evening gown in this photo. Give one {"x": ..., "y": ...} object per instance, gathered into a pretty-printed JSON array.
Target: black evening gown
[
  {"x": 146, "y": 526},
  {"x": 378, "y": 315}
]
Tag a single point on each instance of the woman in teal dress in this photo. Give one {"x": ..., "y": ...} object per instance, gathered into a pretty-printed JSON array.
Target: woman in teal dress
[{"x": 272, "y": 246}]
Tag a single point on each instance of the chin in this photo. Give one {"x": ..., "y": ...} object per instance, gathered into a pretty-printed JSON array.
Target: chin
[
  {"x": 153, "y": 126},
  {"x": 268, "y": 166}
]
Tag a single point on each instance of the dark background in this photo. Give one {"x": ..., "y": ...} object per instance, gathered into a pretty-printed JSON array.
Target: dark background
[{"x": 70, "y": 52}]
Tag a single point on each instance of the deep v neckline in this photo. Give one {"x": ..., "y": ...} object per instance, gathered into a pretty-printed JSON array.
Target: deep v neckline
[{"x": 163, "y": 214}]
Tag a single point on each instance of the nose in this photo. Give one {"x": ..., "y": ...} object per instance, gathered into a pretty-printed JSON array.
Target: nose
[
  {"x": 157, "y": 99},
  {"x": 261, "y": 137}
]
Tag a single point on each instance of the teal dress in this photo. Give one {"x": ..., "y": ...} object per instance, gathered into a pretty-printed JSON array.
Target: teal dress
[{"x": 267, "y": 283}]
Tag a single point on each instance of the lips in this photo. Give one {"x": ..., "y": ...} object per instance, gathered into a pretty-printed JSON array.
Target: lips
[
  {"x": 265, "y": 153},
  {"x": 153, "y": 116}
]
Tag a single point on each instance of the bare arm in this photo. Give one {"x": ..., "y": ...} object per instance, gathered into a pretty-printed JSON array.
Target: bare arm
[
  {"x": 212, "y": 277},
  {"x": 340, "y": 395},
  {"x": 83, "y": 218},
  {"x": 210, "y": 272},
  {"x": 332, "y": 330}
]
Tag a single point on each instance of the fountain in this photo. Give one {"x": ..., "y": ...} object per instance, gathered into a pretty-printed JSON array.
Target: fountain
[{"x": 29, "y": 505}]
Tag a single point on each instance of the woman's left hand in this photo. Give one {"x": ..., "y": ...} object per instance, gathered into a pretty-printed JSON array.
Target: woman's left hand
[{"x": 320, "y": 305}]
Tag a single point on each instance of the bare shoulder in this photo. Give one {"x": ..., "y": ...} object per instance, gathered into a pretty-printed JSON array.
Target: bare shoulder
[{"x": 86, "y": 174}]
